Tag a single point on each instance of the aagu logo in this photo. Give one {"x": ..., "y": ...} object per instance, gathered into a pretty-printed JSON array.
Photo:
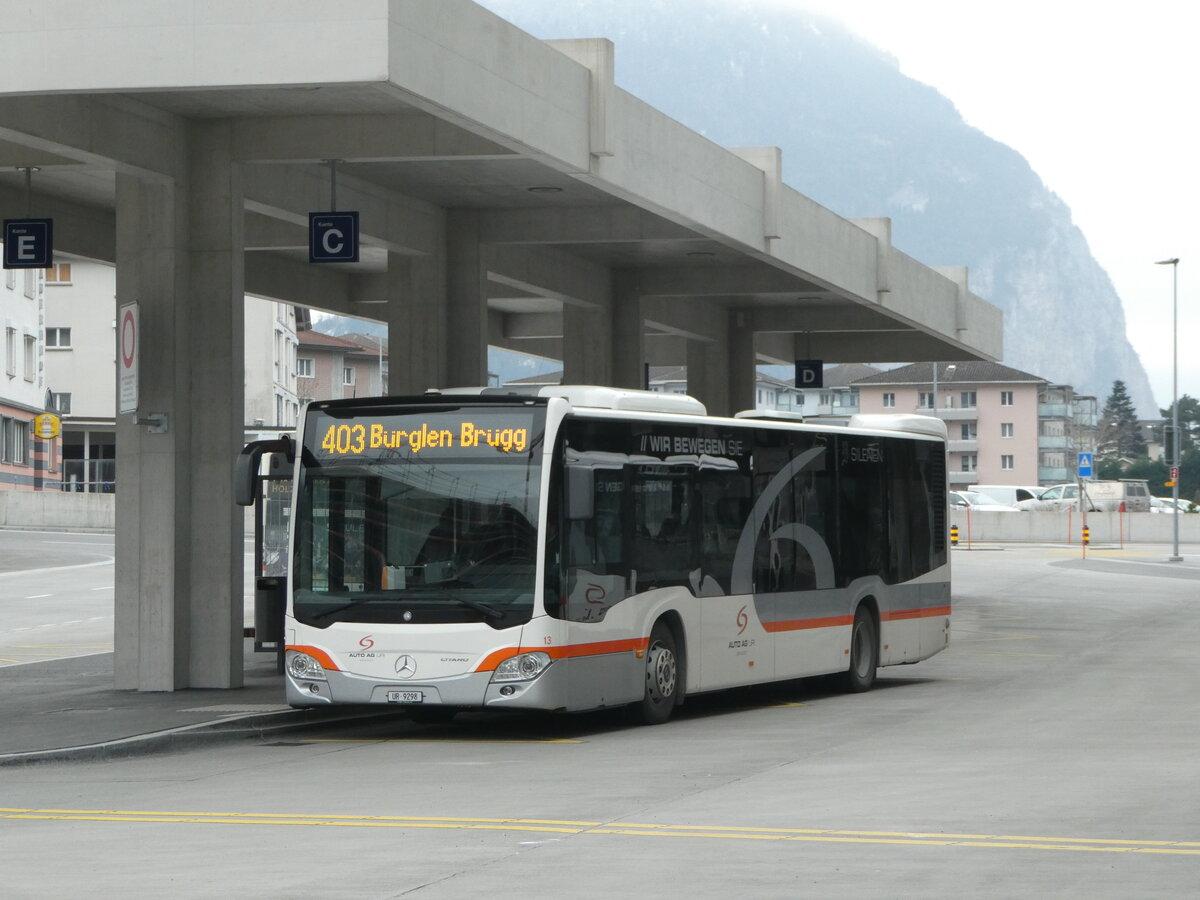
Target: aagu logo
[
  {"x": 742, "y": 619},
  {"x": 367, "y": 642}
]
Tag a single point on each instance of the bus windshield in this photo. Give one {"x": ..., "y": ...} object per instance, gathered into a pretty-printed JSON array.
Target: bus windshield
[{"x": 418, "y": 516}]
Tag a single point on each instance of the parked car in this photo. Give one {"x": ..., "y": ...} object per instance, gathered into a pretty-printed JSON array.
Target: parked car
[
  {"x": 974, "y": 501},
  {"x": 1008, "y": 494},
  {"x": 1132, "y": 496},
  {"x": 1163, "y": 505}
]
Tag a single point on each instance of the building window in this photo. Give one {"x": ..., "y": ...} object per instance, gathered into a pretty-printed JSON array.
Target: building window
[
  {"x": 347, "y": 375},
  {"x": 1006, "y": 398},
  {"x": 969, "y": 431},
  {"x": 58, "y": 338},
  {"x": 889, "y": 401},
  {"x": 59, "y": 274},
  {"x": 970, "y": 462},
  {"x": 30, "y": 356},
  {"x": 10, "y": 351},
  {"x": 1006, "y": 461},
  {"x": 968, "y": 399},
  {"x": 925, "y": 400},
  {"x": 1006, "y": 429},
  {"x": 10, "y": 279},
  {"x": 61, "y": 403},
  {"x": 30, "y": 283},
  {"x": 14, "y": 441},
  {"x": 304, "y": 367}
]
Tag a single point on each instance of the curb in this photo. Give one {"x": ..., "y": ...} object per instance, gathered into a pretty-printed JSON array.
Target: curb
[{"x": 227, "y": 728}]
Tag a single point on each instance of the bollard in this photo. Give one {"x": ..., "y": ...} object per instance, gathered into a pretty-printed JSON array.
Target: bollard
[
  {"x": 1087, "y": 536},
  {"x": 953, "y": 535}
]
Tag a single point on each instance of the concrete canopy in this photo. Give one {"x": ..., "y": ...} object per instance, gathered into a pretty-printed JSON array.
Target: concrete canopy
[{"x": 509, "y": 194}]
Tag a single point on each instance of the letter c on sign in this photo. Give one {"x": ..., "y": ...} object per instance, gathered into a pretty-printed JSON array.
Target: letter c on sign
[{"x": 328, "y": 243}]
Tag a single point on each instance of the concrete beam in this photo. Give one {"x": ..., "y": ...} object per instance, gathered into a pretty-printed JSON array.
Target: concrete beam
[
  {"x": 546, "y": 272},
  {"x": 386, "y": 218},
  {"x": 731, "y": 281},
  {"x": 359, "y": 138},
  {"x": 86, "y": 231},
  {"x": 112, "y": 132},
  {"x": 580, "y": 225}
]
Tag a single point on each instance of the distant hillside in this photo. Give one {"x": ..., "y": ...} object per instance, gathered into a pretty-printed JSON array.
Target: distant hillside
[{"x": 864, "y": 140}]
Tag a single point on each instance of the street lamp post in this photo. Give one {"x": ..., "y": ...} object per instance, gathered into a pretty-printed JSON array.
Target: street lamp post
[{"x": 1175, "y": 459}]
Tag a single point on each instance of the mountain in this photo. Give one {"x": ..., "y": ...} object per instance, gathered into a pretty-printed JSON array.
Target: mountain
[{"x": 862, "y": 139}]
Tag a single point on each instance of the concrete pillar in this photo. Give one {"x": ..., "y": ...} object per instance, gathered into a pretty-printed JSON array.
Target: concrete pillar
[
  {"x": 179, "y": 546},
  {"x": 466, "y": 302},
  {"x": 587, "y": 345},
  {"x": 708, "y": 375},
  {"x": 628, "y": 341},
  {"x": 416, "y": 320},
  {"x": 741, "y": 363}
]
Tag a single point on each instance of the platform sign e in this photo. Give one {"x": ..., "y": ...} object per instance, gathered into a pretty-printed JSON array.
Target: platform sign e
[
  {"x": 1084, "y": 467},
  {"x": 333, "y": 237},
  {"x": 28, "y": 243}
]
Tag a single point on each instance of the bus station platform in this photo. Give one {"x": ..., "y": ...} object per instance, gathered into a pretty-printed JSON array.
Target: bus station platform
[{"x": 66, "y": 709}]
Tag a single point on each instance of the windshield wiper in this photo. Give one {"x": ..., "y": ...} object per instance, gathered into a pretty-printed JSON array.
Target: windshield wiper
[
  {"x": 489, "y": 611},
  {"x": 326, "y": 613}
]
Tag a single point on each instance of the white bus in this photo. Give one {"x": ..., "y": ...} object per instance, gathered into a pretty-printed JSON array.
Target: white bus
[{"x": 588, "y": 547}]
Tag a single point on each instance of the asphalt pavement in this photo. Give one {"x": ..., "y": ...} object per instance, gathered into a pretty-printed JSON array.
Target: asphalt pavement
[{"x": 68, "y": 709}]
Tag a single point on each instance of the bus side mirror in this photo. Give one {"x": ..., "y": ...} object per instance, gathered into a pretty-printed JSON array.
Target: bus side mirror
[
  {"x": 580, "y": 493},
  {"x": 245, "y": 467}
]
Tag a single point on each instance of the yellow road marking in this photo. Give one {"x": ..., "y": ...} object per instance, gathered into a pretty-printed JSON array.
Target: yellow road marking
[
  {"x": 559, "y": 826},
  {"x": 447, "y": 740}
]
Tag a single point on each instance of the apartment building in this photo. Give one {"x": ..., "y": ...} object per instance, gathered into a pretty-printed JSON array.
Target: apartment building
[
  {"x": 78, "y": 346},
  {"x": 330, "y": 367},
  {"x": 27, "y": 462},
  {"x": 990, "y": 411}
]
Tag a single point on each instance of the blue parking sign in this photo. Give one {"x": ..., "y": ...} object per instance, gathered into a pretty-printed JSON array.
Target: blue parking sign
[
  {"x": 1085, "y": 465},
  {"x": 333, "y": 237},
  {"x": 28, "y": 243}
]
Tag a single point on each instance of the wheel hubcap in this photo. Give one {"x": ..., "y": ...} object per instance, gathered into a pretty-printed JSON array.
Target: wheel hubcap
[{"x": 660, "y": 672}]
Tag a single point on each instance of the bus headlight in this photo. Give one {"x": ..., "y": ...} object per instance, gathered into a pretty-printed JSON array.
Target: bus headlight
[
  {"x": 301, "y": 666},
  {"x": 523, "y": 667}
]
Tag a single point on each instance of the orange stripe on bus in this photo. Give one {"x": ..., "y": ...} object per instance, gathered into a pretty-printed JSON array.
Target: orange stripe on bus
[
  {"x": 803, "y": 624},
  {"x": 319, "y": 655},
  {"x": 926, "y": 613},
  {"x": 492, "y": 660}
]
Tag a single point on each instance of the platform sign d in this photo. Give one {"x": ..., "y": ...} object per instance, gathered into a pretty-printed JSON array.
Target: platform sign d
[
  {"x": 1084, "y": 467},
  {"x": 333, "y": 237},
  {"x": 810, "y": 373}
]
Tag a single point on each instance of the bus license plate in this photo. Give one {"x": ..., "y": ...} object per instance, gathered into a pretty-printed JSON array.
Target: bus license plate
[{"x": 405, "y": 697}]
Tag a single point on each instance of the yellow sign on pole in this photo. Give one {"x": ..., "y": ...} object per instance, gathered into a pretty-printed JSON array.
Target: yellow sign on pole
[{"x": 47, "y": 426}]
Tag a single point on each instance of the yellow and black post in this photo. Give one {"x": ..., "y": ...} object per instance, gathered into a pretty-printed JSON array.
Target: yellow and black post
[{"x": 953, "y": 535}]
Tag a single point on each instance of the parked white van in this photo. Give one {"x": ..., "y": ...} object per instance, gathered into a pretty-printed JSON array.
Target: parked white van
[
  {"x": 1132, "y": 496},
  {"x": 1008, "y": 494}
]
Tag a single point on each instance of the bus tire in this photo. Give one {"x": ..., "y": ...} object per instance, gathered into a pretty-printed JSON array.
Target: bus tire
[
  {"x": 864, "y": 652},
  {"x": 662, "y": 678}
]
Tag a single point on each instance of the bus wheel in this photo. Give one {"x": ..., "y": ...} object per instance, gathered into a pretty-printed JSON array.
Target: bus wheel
[
  {"x": 864, "y": 653},
  {"x": 662, "y": 678},
  {"x": 432, "y": 715}
]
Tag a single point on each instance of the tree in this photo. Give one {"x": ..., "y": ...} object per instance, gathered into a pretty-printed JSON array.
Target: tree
[
  {"x": 1120, "y": 435},
  {"x": 1189, "y": 426}
]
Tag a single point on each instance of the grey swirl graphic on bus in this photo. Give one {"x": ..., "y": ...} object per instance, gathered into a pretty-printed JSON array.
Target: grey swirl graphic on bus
[{"x": 742, "y": 576}]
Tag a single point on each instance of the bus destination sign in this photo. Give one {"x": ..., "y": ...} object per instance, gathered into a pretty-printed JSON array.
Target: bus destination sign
[{"x": 411, "y": 435}]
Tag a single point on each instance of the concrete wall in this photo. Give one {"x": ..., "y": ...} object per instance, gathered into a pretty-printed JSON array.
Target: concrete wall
[
  {"x": 56, "y": 510},
  {"x": 1066, "y": 526}
]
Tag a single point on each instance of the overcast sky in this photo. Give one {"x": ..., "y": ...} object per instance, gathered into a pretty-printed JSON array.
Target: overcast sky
[{"x": 1099, "y": 96}]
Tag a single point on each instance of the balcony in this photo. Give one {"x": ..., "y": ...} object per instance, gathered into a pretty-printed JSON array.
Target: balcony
[
  {"x": 961, "y": 446},
  {"x": 952, "y": 414},
  {"x": 1053, "y": 442},
  {"x": 1054, "y": 411},
  {"x": 963, "y": 479},
  {"x": 1055, "y": 475}
]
